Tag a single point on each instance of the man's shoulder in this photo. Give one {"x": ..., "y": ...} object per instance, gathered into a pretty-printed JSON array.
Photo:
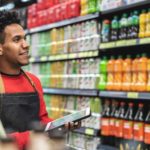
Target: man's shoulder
[{"x": 32, "y": 76}]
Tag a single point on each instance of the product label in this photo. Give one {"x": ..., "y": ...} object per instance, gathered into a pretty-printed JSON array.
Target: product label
[
  {"x": 119, "y": 127},
  {"x": 112, "y": 126},
  {"x": 147, "y": 133},
  {"x": 128, "y": 130},
  {"x": 138, "y": 131},
  {"x": 105, "y": 126}
]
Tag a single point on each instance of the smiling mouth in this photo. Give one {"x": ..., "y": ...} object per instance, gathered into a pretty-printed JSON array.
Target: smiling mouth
[{"x": 24, "y": 54}]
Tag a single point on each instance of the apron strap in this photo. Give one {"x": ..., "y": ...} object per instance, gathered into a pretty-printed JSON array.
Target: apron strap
[
  {"x": 30, "y": 80},
  {"x": 2, "y": 88}
]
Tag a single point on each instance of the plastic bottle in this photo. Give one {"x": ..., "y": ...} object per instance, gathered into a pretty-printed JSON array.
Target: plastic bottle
[
  {"x": 142, "y": 25},
  {"x": 147, "y": 33},
  {"x": 119, "y": 119},
  {"x": 128, "y": 126},
  {"x": 114, "y": 29},
  {"x": 148, "y": 75},
  {"x": 138, "y": 128},
  {"x": 110, "y": 74},
  {"x": 84, "y": 7},
  {"x": 126, "y": 84},
  {"x": 114, "y": 108},
  {"x": 147, "y": 129},
  {"x": 103, "y": 74},
  {"x": 118, "y": 73},
  {"x": 130, "y": 26},
  {"x": 135, "y": 27},
  {"x": 105, "y": 33},
  {"x": 92, "y": 6},
  {"x": 123, "y": 27},
  {"x": 105, "y": 118},
  {"x": 142, "y": 73},
  {"x": 134, "y": 69}
]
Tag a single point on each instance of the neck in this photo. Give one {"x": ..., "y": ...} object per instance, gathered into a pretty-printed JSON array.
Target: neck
[{"x": 10, "y": 70}]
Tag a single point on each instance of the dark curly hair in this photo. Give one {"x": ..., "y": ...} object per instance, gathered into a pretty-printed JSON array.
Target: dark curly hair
[{"x": 7, "y": 18}]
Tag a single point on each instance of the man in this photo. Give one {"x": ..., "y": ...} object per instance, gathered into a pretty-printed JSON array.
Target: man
[{"x": 21, "y": 97}]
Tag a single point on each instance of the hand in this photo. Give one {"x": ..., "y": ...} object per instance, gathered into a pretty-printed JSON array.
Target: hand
[{"x": 73, "y": 125}]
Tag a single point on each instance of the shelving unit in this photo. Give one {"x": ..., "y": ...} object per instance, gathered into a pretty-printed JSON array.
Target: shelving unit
[
  {"x": 62, "y": 23},
  {"x": 126, "y": 7},
  {"x": 75, "y": 92},
  {"x": 70, "y": 56}
]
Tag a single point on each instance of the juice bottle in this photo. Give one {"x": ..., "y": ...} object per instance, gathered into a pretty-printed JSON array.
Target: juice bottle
[
  {"x": 119, "y": 119},
  {"x": 134, "y": 70},
  {"x": 118, "y": 73},
  {"x": 147, "y": 33},
  {"x": 84, "y": 7},
  {"x": 110, "y": 73},
  {"x": 142, "y": 73},
  {"x": 114, "y": 107},
  {"x": 135, "y": 27},
  {"x": 142, "y": 25},
  {"x": 138, "y": 127},
  {"x": 92, "y": 6},
  {"x": 126, "y": 83},
  {"x": 105, "y": 129},
  {"x": 103, "y": 74},
  {"x": 114, "y": 29},
  {"x": 128, "y": 126},
  {"x": 147, "y": 129},
  {"x": 148, "y": 75}
]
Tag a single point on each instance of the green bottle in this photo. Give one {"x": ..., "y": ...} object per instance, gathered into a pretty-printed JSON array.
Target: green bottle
[{"x": 103, "y": 74}]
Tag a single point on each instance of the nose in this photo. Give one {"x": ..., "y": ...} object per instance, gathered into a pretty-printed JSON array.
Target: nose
[{"x": 25, "y": 44}]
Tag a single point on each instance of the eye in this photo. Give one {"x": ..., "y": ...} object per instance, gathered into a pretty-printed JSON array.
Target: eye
[{"x": 16, "y": 39}]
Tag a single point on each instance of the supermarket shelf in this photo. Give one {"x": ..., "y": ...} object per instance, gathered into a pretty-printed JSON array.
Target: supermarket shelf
[
  {"x": 64, "y": 23},
  {"x": 71, "y": 147},
  {"x": 126, "y": 7},
  {"x": 105, "y": 147},
  {"x": 127, "y": 95},
  {"x": 86, "y": 54},
  {"x": 124, "y": 43},
  {"x": 87, "y": 131},
  {"x": 75, "y": 92}
]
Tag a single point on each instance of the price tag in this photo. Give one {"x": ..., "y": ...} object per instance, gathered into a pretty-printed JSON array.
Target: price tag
[
  {"x": 51, "y": 57},
  {"x": 131, "y": 42},
  {"x": 110, "y": 44},
  {"x": 102, "y": 45},
  {"x": 43, "y": 58},
  {"x": 72, "y": 56},
  {"x": 89, "y": 131},
  {"x": 144, "y": 40},
  {"x": 121, "y": 43},
  {"x": 64, "y": 56},
  {"x": 95, "y": 53},
  {"x": 32, "y": 59},
  {"x": 132, "y": 95}
]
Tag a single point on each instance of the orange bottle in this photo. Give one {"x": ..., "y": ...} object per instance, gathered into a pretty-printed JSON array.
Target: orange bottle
[
  {"x": 118, "y": 73},
  {"x": 148, "y": 75},
  {"x": 142, "y": 73},
  {"x": 126, "y": 82},
  {"x": 110, "y": 74},
  {"x": 134, "y": 70}
]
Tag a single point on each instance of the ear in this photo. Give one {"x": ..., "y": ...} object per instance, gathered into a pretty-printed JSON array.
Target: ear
[{"x": 1, "y": 50}]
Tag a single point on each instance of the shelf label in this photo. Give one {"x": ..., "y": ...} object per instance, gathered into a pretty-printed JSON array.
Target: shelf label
[
  {"x": 131, "y": 42},
  {"x": 121, "y": 43},
  {"x": 43, "y": 58},
  {"x": 145, "y": 41},
  {"x": 89, "y": 131},
  {"x": 132, "y": 95},
  {"x": 32, "y": 59}
]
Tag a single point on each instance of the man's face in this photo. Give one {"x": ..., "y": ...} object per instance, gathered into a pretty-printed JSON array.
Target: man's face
[{"x": 15, "y": 48}]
